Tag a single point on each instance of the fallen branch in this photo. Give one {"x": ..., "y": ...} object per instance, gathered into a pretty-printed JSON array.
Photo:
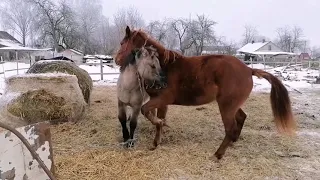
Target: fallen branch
[{"x": 293, "y": 88}]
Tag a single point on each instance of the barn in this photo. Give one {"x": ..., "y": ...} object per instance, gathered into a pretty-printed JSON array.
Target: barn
[{"x": 265, "y": 51}]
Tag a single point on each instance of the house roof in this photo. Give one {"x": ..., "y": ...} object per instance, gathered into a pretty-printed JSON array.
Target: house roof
[
  {"x": 252, "y": 47},
  {"x": 6, "y": 40},
  {"x": 74, "y": 51},
  {"x": 9, "y": 43},
  {"x": 5, "y": 35}
]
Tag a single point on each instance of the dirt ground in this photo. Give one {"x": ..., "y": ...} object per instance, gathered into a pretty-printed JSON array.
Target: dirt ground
[{"x": 91, "y": 149}]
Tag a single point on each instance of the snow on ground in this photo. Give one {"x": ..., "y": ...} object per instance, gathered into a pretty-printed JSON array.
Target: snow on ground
[{"x": 294, "y": 78}]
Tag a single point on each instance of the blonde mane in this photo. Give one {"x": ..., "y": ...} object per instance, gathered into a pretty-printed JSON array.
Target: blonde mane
[{"x": 166, "y": 55}]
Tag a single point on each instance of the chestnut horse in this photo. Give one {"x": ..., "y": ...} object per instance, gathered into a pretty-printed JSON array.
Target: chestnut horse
[{"x": 199, "y": 80}]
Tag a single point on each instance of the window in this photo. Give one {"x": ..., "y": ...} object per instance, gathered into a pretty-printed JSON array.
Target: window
[{"x": 269, "y": 47}]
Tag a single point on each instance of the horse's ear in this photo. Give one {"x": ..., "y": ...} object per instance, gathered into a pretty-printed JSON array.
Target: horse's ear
[{"x": 128, "y": 31}]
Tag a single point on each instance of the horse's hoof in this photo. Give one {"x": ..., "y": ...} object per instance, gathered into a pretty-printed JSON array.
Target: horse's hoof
[
  {"x": 130, "y": 143},
  {"x": 218, "y": 156}
]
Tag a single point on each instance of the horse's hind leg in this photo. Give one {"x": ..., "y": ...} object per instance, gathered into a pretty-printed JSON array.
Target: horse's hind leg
[
  {"x": 122, "y": 116},
  {"x": 161, "y": 114},
  {"x": 228, "y": 112},
  {"x": 133, "y": 124},
  {"x": 240, "y": 118}
]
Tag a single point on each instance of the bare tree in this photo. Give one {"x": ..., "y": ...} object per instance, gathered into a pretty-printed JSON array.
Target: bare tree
[
  {"x": 289, "y": 39},
  {"x": 127, "y": 17},
  {"x": 50, "y": 18},
  {"x": 17, "y": 15},
  {"x": 249, "y": 35},
  {"x": 89, "y": 19},
  {"x": 202, "y": 33},
  {"x": 315, "y": 52},
  {"x": 182, "y": 28},
  {"x": 158, "y": 29}
]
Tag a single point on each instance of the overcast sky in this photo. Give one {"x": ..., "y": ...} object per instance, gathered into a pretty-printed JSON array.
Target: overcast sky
[{"x": 232, "y": 15}]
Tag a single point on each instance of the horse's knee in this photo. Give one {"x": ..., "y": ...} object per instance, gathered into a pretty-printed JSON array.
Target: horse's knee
[
  {"x": 162, "y": 112},
  {"x": 122, "y": 117}
]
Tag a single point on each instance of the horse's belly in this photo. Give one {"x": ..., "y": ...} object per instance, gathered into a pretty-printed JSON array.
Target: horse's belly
[{"x": 199, "y": 96}]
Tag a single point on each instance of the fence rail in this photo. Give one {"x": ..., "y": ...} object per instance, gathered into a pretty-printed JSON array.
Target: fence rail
[{"x": 311, "y": 64}]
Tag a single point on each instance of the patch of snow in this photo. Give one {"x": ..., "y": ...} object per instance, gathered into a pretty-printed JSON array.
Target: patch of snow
[
  {"x": 10, "y": 96},
  {"x": 53, "y": 74},
  {"x": 251, "y": 47},
  {"x": 309, "y": 133}
]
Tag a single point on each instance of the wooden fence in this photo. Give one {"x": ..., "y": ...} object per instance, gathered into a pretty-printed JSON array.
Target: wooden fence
[{"x": 311, "y": 64}]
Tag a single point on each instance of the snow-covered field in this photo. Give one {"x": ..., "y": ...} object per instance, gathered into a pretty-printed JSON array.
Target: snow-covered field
[{"x": 298, "y": 79}]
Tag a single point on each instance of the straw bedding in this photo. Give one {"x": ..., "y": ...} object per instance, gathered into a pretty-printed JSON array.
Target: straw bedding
[
  {"x": 54, "y": 97},
  {"x": 90, "y": 149},
  {"x": 50, "y": 66}
]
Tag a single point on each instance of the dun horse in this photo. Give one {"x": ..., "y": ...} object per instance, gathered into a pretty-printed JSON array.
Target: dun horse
[
  {"x": 200, "y": 80},
  {"x": 140, "y": 65}
]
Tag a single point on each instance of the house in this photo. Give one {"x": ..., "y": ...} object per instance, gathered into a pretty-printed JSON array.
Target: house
[
  {"x": 75, "y": 55},
  {"x": 304, "y": 56},
  {"x": 6, "y": 41},
  {"x": 259, "y": 50},
  {"x": 12, "y": 49}
]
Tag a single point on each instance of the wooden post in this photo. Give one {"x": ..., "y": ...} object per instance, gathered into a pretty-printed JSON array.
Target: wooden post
[
  {"x": 30, "y": 60},
  {"x": 17, "y": 62},
  {"x": 101, "y": 69},
  {"x": 264, "y": 62},
  {"x": 251, "y": 62},
  {"x": 319, "y": 67}
]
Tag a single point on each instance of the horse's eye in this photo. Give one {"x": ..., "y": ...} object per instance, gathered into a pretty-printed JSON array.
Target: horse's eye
[{"x": 153, "y": 66}]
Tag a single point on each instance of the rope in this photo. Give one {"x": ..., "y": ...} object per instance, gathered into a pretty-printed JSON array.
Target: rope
[{"x": 27, "y": 144}]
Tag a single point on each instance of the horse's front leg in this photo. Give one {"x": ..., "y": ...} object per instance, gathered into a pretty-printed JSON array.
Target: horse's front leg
[{"x": 148, "y": 111}]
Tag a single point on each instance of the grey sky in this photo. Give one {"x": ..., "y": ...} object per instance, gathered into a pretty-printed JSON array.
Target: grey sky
[{"x": 232, "y": 15}]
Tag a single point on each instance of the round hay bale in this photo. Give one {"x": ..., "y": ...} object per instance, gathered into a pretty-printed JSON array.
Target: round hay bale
[
  {"x": 32, "y": 98},
  {"x": 51, "y": 66}
]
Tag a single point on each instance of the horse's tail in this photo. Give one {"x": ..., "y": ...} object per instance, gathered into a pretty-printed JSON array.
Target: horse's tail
[{"x": 280, "y": 102}]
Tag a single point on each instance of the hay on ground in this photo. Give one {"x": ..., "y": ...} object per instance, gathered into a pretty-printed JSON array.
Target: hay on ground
[
  {"x": 90, "y": 149},
  {"x": 50, "y": 66},
  {"x": 32, "y": 98}
]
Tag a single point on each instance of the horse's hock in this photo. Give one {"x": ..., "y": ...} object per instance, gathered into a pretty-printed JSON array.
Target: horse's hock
[{"x": 32, "y": 98}]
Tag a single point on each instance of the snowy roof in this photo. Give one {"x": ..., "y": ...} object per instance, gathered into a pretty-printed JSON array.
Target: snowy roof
[
  {"x": 99, "y": 56},
  {"x": 5, "y": 35},
  {"x": 75, "y": 51},
  {"x": 272, "y": 53},
  {"x": 21, "y": 48},
  {"x": 9, "y": 43},
  {"x": 252, "y": 47}
]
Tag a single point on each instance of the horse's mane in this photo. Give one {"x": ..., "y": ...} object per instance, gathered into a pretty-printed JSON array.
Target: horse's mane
[
  {"x": 166, "y": 55},
  {"x": 130, "y": 59}
]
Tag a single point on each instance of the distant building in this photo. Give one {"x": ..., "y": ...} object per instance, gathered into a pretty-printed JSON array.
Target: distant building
[
  {"x": 257, "y": 50},
  {"x": 75, "y": 55},
  {"x": 304, "y": 56},
  {"x": 6, "y": 41}
]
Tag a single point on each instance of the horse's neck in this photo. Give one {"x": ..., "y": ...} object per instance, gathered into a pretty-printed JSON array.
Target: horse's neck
[{"x": 131, "y": 77}]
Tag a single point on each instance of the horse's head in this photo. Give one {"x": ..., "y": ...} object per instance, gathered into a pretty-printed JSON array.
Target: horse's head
[
  {"x": 148, "y": 64},
  {"x": 132, "y": 40}
]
